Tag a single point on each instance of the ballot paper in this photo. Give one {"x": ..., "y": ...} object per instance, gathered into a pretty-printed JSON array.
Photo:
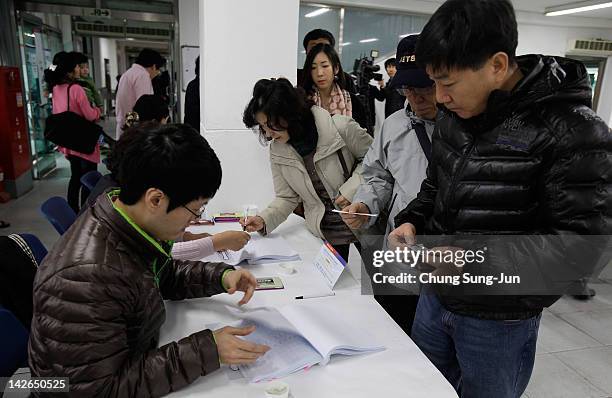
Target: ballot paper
[
  {"x": 259, "y": 250},
  {"x": 301, "y": 335}
]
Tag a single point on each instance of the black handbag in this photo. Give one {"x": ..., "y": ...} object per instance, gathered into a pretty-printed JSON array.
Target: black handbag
[{"x": 72, "y": 131}]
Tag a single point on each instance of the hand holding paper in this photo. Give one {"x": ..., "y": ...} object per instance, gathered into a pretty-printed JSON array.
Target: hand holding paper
[{"x": 355, "y": 215}]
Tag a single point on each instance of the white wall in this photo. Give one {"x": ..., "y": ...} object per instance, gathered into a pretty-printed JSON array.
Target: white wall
[
  {"x": 241, "y": 42},
  {"x": 189, "y": 35},
  {"x": 554, "y": 40}
]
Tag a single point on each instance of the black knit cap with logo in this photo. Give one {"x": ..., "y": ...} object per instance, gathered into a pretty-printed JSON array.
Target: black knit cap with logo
[{"x": 409, "y": 74}]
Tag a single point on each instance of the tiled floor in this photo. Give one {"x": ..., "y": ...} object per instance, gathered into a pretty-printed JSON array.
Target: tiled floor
[{"x": 574, "y": 354}]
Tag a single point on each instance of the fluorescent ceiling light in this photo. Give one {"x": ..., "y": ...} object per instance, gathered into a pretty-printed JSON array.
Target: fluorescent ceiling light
[
  {"x": 316, "y": 13},
  {"x": 348, "y": 43},
  {"x": 408, "y": 34},
  {"x": 573, "y": 8},
  {"x": 368, "y": 40}
]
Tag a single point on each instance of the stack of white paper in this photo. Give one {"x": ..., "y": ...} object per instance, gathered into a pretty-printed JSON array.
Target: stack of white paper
[
  {"x": 301, "y": 335},
  {"x": 259, "y": 250}
]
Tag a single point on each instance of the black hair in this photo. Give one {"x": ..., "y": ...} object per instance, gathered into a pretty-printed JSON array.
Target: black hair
[
  {"x": 173, "y": 158},
  {"x": 63, "y": 64},
  {"x": 148, "y": 57},
  {"x": 149, "y": 107},
  {"x": 307, "y": 83},
  {"x": 390, "y": 62},
  {"x": 285, "y": 106},
  {"x": 464, "y": 34},
  {"x": 197, "y": 66},
  {"x": 80, "y": 57},
  {"x": 318, "y": 34}
]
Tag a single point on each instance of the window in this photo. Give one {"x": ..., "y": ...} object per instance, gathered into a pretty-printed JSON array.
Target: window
[
  {"x": 363, "y": 30},
  {"x": 316, "y": 19}
]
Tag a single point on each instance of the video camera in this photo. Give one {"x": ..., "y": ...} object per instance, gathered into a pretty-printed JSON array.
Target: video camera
[{"x": 364, "y": 70}]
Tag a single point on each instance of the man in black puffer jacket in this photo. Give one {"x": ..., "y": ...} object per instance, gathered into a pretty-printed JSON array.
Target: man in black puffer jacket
[{"x": 517, "y": 151}]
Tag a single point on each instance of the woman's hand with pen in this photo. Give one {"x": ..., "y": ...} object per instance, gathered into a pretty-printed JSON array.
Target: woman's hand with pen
[{"x": 253, "y": 223}]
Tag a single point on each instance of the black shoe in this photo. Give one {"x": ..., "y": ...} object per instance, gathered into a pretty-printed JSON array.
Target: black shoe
[
  {"x": 4, "y": 224},
  {"x": 587, "y": 294}
]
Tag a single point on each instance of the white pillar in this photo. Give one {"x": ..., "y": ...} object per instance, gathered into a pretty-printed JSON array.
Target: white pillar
[
  {"x": 65, "y": 22},
  {"x": 242, "y": 41}
]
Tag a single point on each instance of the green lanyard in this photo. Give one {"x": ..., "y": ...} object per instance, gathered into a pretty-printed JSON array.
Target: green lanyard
[{"x": 149, "y": 238}]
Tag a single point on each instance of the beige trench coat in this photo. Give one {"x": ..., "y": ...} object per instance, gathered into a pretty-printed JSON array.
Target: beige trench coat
[{"x": 292, "y": 183}]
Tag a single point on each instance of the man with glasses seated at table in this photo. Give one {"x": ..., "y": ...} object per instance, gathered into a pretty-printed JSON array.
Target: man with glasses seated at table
[
  {"x": 396, "y": 165},
  {"x": 98, "y": 296}
]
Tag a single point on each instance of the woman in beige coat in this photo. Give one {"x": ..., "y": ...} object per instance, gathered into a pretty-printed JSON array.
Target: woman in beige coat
[{"x": 315, "y": 159}]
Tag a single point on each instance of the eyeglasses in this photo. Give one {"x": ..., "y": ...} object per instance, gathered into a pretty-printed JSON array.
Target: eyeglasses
[
  {"x": 197, "y": 214},
  {"x": 420, "y": 91}
]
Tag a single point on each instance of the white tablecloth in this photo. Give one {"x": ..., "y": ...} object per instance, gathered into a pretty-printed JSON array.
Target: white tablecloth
[{"x": 400, "y": 370}]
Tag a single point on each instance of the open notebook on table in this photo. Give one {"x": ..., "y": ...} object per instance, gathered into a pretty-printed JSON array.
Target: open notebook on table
[
  {"x": 301, "y": 335},
  {"x": 259, "y": 250}
]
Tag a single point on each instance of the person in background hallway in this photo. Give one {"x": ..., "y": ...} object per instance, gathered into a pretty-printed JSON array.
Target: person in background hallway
[
  {"x": 394, "y": 168},
  {"x": 99, "y": 294},
  {"x": 136, "y": 82},
  {"x": 322, "y": 36},
  {"x": 315, "y": 158},
  {"x": 161, "y": 86},
  {"x": 326, "y": 85},
  {"x": 192, "y": 99},
  {"x": 149, "y": 110},
  {"x": 87, "y": 82},
  {"x": 394, "y": 101},
  {"x": 59, "y": 78}
]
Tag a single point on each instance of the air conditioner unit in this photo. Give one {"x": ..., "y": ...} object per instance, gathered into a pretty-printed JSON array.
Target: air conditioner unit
[
  {"x": 598, "y": 48},
  {"x": 122, "y": 31}
]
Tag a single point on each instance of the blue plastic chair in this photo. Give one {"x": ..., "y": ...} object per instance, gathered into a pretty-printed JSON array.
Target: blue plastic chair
[
  {"x": 13, "y": 344},
  {"x": 59, "y": 213},
  {"x": 38, "y": 249},
  {"x": 90, "y": 179}
]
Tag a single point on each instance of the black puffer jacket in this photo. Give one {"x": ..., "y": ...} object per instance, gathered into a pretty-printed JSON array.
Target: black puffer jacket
[
  {"x": 98, "y": 311},
  {"x": 537, "y": 162}
]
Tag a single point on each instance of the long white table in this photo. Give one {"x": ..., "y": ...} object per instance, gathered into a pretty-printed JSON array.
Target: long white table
[{"x": 401, "y": 370}]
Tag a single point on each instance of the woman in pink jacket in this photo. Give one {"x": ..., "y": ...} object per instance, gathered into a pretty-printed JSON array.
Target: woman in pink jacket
[{"x": 60, "y": 77}]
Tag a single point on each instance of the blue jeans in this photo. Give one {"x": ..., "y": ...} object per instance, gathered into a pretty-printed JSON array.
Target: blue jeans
[{"x": 479, "y": 357}]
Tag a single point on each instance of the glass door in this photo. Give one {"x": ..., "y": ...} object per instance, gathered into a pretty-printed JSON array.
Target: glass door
[{"x": 35, "y": 58}]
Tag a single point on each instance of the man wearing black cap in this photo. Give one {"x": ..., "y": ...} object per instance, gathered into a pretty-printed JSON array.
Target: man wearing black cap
[
  {"x": 395, "y": 166},
  {"x": 519, "y": 160}
]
